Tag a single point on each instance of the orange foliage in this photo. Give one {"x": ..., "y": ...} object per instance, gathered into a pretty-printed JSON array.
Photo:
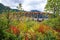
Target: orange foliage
[
  {"x": 43, "y": 28},
  {"x": 30, "y": 34}
]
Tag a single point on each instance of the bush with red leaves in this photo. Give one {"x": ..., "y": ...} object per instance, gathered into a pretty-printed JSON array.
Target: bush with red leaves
[{"x": 14, "y": 30}]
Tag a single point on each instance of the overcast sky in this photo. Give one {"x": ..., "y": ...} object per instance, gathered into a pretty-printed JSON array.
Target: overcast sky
[{"x": 27, "y": 5}]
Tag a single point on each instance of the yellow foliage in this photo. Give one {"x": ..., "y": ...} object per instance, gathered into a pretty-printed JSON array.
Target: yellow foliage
[
  {"x": 22, "y": 26},
  {"x": 35, "y": 26}
]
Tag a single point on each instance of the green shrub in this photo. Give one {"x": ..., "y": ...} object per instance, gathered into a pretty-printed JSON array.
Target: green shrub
[{"x": 54, "y": 23}]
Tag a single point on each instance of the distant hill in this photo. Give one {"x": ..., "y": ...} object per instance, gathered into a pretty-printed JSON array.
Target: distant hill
[
  {"x": 35, "y": 11},
  {"x": 3, "y": 8},
  {"x": 14, "y": 10},
  {"x": 6, "y": 8}
]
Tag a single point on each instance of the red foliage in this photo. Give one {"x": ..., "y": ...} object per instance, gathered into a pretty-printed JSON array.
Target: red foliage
[
  {"x": 14, "y": 29},
  {"x": 41, "y": 29},
  {"x": 57, "y": 30},
  {"x": 26, "y": 36}
]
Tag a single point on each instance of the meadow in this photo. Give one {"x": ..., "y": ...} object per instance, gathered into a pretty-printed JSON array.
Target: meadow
[{"x": 14, "y": 27}]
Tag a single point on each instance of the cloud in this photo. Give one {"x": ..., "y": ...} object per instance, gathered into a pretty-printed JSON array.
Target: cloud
[
  {"x": 0, "y": 1},
  {"x": 34, "y": 5},
  {"x": 26, "y": 4}
]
